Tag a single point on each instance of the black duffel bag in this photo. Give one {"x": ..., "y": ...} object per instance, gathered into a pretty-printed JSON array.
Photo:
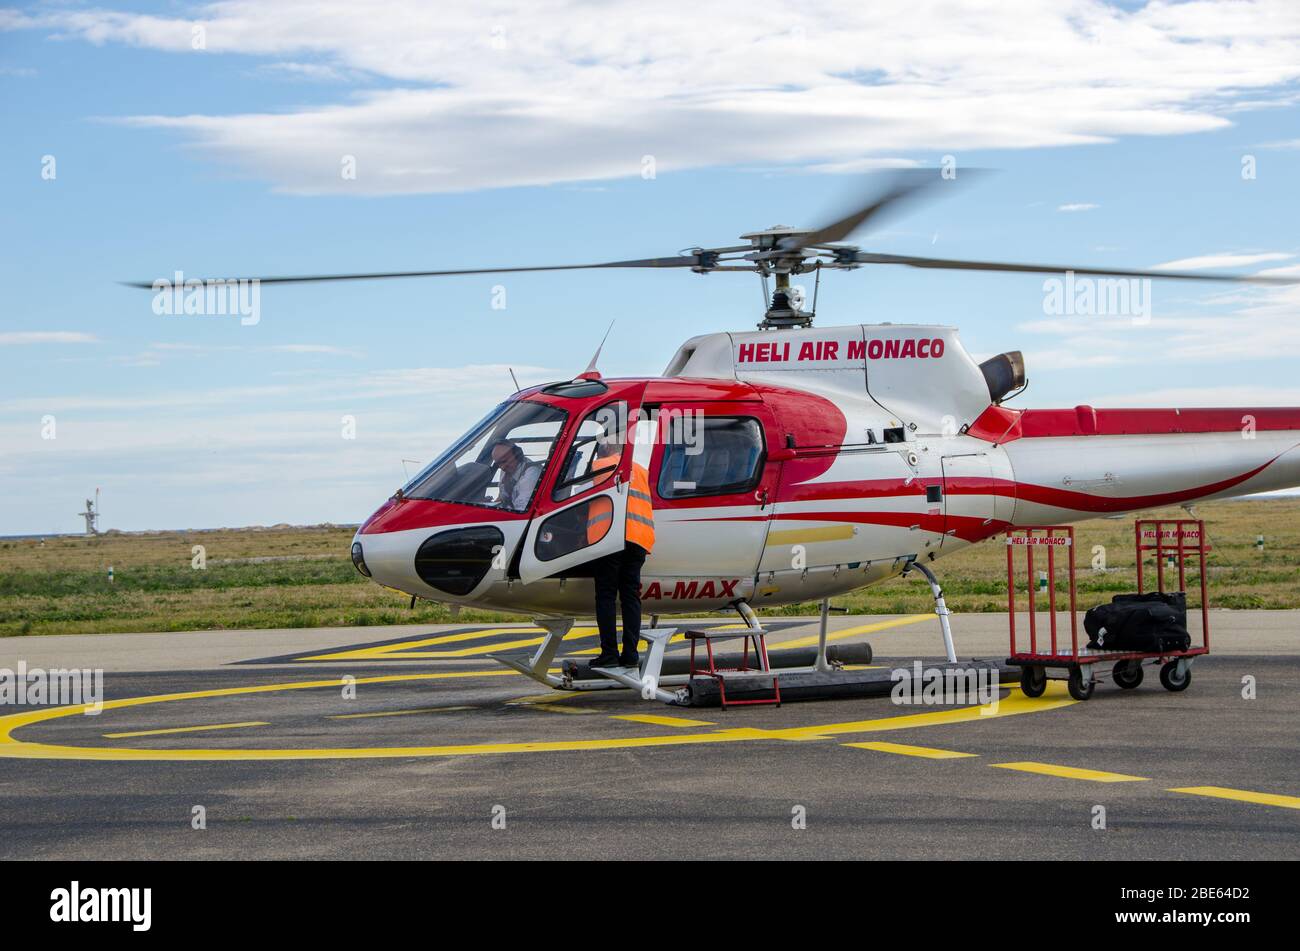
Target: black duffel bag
[{"x": 1150, "y": 623}]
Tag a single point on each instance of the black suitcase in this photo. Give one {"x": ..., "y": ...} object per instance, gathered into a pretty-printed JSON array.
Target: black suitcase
[{"x": 1149, "y": 623}]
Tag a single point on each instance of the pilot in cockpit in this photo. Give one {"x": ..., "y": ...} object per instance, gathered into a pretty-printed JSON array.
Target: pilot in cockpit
[{"x": 518, "y": 475}]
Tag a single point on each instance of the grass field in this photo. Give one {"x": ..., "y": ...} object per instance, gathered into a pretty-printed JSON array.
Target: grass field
[{"x": 302, "y": 577}]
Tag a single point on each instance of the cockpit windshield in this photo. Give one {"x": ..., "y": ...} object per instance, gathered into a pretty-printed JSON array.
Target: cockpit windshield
[{"x": 498, "y": 463}]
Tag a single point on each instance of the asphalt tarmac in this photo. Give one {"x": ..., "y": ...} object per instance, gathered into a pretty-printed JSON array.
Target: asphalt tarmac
[{"x": 411, "y": 743}]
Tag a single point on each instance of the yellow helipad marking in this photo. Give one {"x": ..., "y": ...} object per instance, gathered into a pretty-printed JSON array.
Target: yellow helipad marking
[
  {"x": 185, "y": 729},
  {"x": 1071, "y": 772},
  {"x": 1013, "y": 705},
  {"x": 405, "y": 647},
  {"x": 575, "y": 634},
  {"x": 389, "y": 713},
  {"x": 663, "y": 721},
  {"x": 796, "y": 536},
  {"x": 14, "y": 748},
  {"x": 675, "y": 639},
  {"x": 1242, "y": 795},
  {"x": 861, "y": 629},
  {"x": 904, "y": 750},
  {"x": 405, "y": 650}
]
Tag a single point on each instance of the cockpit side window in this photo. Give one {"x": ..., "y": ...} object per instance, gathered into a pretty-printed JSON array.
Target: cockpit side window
[
  {"x": 499, "y": 463},
  {"x": 596, "y": 451}
]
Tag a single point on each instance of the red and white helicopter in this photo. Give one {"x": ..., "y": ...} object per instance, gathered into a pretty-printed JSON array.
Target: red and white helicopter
[{"x": 792, "y": 463}]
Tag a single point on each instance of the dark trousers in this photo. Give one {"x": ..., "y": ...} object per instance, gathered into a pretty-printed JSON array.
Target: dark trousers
[{"x": 618, "y": 575}]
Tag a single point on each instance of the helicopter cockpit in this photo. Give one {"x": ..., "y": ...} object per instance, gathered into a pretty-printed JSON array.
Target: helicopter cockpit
[{"x": 497, "y": 464}]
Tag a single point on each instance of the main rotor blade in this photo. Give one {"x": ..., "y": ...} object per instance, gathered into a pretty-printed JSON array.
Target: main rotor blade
[
  {"x": 903, "y": 185},
  {"x": 679, "y": 261},
  {"x": 951, "y": 264}
]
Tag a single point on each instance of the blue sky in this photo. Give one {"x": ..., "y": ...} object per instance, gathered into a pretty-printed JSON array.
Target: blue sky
[{"x": 517, "y": 136}]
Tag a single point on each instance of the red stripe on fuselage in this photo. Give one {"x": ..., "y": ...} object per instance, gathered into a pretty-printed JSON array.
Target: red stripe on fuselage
[{"x": 998, "y": 424}]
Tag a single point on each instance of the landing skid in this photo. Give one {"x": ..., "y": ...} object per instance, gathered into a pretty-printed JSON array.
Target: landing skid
[{"x": 648, "y": 679}]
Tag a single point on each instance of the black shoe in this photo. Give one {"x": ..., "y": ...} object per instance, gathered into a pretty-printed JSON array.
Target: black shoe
[
  {"x": 630, "y": 659},
  {"x": 606, "y": 660}
]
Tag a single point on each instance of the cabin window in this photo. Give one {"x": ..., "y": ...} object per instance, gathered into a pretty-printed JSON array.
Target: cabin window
[
  {"x": 579, "y": 526},
  {"x": 596, "y": 451},
  {"x": 711, "y": 455}
]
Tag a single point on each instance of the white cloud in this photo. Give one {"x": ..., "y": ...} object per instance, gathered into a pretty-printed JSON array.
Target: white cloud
[
  {"x": 476, "y": 382},
  {"x": 46, "y": 336},
  {"x": 1246, "y": 395},
  {"x": 154, "y": 450},
  {"x": 1261, "y": 323},
  {"x": 1078, "y": 206},
  {"x": 313, "y": 348},
  {"x": 1226, "y": 259},
  {"x": 540, "y": 93}
]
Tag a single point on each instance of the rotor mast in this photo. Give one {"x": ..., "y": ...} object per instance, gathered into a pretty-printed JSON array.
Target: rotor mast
[{"x": 777, "y": 252}]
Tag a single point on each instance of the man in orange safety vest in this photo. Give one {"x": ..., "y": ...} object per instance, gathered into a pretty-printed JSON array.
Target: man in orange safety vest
[{"x": 618, "y": 575}]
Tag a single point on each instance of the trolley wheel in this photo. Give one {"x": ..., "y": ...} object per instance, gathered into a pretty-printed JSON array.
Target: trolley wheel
[
  {"x": 1078, "y": 689},
  {"x": 1127, "y": 673},
  {"x": 1171, "y": 680},
  {"x": 1033, "y": 681}
]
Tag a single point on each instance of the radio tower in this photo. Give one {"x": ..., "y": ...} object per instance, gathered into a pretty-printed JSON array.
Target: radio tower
[{"x": 91, "y": 515}]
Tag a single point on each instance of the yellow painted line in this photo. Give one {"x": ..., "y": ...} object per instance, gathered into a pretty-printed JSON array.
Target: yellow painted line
[
  {"x": 904, "y": 750},
  {"x": 1071, "y": 772},
  {"x": 185, "y": 729},
  {"x": 554, "y": 695},
  {"x": 563, "y": 708},
  {"x": 851, "y": 631},
  {"x": 21, "y": 749},
  {"x": 663, "y": 721},
  {"x": 383, "y": 650},
  {"x": 1242, "y": 795},
  {"x": 573, "y": 635},
  {"x": 394, "y": 713},
  {"x": 643, "y": 645},
  {"x": 675, "y": 639},
  {"x": 1013, "y": 705},
  {"x": 797, "y": 536}
]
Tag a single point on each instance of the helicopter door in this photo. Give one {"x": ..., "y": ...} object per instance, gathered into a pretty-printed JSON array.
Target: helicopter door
[
  {"x": 594, "y": 524},
  {"x": 715, "y": 485},
  {"x": 971, "y": 500}
]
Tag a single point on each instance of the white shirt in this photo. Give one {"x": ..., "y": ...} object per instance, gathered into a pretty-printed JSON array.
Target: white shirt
[{"x": 518, "y": 490}]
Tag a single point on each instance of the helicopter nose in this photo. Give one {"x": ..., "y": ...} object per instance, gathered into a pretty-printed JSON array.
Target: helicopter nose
[
  {"x": 426, "y": 548},
  {"x": 455, "y": 561}
]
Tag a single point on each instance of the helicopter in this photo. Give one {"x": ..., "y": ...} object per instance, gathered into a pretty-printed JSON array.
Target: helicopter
[{"x": 792, "y": 462}]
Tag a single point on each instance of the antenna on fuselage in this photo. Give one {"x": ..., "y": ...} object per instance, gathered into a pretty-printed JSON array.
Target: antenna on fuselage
[
  {"x": 591, "y": 367},
  {"x": 513, "y": 380}
]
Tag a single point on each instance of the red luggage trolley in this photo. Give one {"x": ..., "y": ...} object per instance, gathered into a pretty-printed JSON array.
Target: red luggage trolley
[{"x": 1185, "y": 538}]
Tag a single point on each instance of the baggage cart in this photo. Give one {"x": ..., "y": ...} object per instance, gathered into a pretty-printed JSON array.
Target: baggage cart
[{"x": 1078, "y": 664}]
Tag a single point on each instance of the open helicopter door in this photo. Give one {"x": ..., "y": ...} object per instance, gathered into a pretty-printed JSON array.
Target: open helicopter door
[{"x": 594, "y": 525}]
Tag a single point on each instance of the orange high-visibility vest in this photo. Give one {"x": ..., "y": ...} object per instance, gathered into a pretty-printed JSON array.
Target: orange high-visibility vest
[
  {"x": 600, "y": 511},
  {"x": 640, "y": 513},
  {"x": 600, "y": 516}
]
